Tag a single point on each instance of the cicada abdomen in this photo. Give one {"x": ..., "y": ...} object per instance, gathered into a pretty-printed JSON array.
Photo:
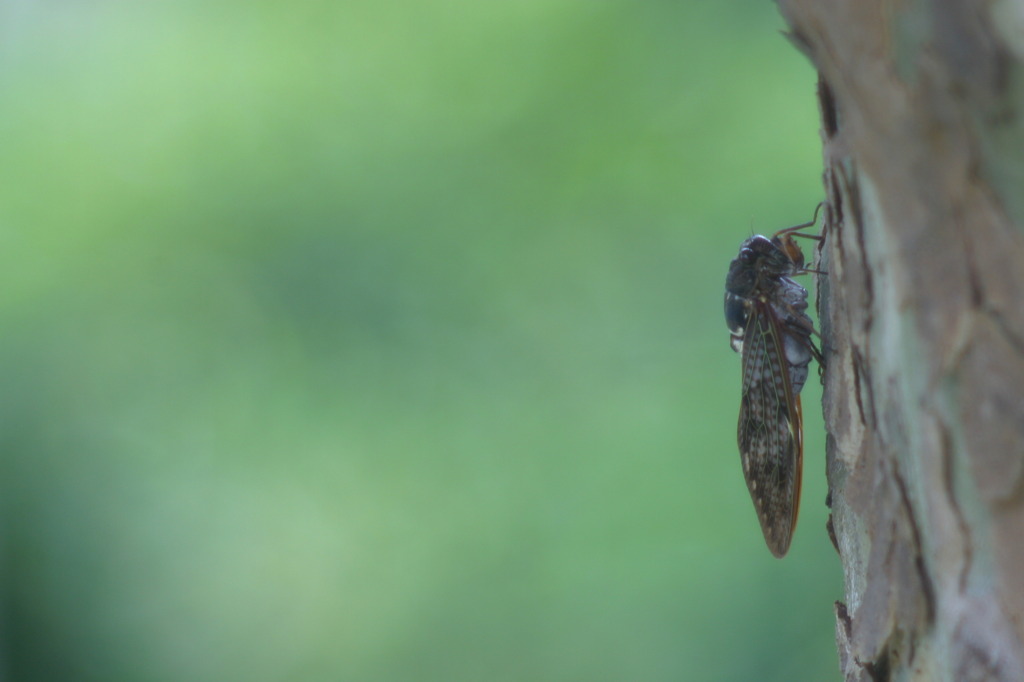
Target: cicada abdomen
[{"x": 765, "y": 310}]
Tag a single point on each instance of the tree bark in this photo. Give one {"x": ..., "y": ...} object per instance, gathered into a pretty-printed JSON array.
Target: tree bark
[{"x": 922, "y": 320}]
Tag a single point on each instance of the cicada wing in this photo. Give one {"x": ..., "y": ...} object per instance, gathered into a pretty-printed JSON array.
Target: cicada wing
[{"x": 769, "y": 432}]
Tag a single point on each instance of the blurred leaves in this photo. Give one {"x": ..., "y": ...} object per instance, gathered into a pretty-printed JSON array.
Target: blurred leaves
[{"x": 383, "y": 341}]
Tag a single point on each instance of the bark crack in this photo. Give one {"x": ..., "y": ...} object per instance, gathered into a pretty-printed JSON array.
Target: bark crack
[
  {"x": 852, "y": 192},
  {"x": 869, "y": 281},
  {"x": 927, "y": 589},
  {"x": 973, "y": 278},
  {"x": 829, "y": 111},
  {"x": 1015, "y": 340},
  {"x": 975, "y": 663},
  {"x": 857, "y": 381},
  {"x": 948, "y": 473}
]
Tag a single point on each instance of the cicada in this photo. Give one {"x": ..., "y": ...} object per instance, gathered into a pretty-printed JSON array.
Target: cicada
[{"x": 765, "y": 310}]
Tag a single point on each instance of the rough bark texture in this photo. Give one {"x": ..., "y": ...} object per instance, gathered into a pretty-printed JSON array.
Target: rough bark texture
[{"x": 923, "y": 322}]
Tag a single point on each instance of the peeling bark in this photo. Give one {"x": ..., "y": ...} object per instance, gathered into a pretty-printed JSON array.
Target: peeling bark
[{"x": 923, "y": 132}]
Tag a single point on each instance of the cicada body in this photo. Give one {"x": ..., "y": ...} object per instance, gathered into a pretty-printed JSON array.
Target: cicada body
[{"x": 765, "y": 310}]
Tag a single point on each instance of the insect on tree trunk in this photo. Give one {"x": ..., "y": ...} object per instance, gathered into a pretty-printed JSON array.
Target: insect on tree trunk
[{"x": 922, "y": 315}]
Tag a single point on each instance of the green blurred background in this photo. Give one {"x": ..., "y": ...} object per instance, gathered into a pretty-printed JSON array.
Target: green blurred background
[{"x": 384, "y": 341}]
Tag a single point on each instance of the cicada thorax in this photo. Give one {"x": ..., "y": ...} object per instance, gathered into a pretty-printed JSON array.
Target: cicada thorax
[
  {"x": 761, "y": 274},
  {"x": 765, "y": 310}
]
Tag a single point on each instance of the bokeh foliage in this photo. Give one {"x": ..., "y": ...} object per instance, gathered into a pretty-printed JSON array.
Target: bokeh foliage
[{"x": 384, "y": 341}]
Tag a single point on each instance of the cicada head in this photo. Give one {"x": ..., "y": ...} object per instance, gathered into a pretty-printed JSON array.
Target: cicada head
[{"x": 759, "y": 261}]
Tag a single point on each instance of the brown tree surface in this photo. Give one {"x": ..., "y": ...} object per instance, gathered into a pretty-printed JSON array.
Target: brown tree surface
[{"x": 923, "y": 322}]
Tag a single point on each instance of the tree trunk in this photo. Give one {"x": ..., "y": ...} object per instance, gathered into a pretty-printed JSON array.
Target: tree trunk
[{"x": 923, "y": 325}]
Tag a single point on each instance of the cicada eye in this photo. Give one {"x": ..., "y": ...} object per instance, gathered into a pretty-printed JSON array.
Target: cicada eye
[{"x": 735, "y": 313}]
